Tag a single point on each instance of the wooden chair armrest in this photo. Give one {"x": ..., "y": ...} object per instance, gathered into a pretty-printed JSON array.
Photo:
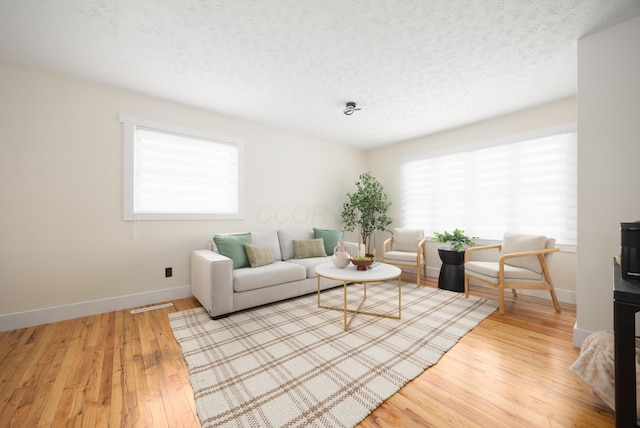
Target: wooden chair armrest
[
  {"x": 384, "y": 245},
  {"x": 480, "y": 248},
  {"x": 539, "y": 253},
  {"x": 421, "y": 249},
  {"x": 529, "y": 253}
]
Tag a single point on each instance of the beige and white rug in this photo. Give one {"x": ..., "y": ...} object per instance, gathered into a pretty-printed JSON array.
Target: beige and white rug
[{"x": 291, "y": 364}]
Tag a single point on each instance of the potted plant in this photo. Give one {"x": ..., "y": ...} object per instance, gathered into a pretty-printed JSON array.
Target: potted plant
[
  {"x": 457, "y": 239},
  {"x": 366, "y": 210}
]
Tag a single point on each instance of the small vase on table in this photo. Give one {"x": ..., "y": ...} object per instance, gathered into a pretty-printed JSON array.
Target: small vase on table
[{"x": 340, "y": 258}]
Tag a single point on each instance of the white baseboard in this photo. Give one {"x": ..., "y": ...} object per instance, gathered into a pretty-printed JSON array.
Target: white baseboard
[
  {"x": 433, "y": 272},
  {"x": 75, "y": 310},
  {"x": 564, "y": 296},
  {"x": 579, "y": 335}
]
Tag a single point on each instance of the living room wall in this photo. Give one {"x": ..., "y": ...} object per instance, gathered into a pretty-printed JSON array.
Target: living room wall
[
  {"x": 65, "y": 243},
  {"x": 608, "y": 154},
  {"x": 61, "y": 186},
  {"x": 385, "y": 164}
]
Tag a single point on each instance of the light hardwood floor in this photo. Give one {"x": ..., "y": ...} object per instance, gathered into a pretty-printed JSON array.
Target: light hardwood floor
[{"x": 122, "y": 369}]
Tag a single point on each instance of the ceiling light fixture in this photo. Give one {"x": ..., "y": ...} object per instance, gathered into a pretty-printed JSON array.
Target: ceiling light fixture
[{"x": 351, "y": 107}]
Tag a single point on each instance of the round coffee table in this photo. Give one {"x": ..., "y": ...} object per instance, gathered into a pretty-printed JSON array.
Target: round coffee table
[{"x": 380, "y": 272}]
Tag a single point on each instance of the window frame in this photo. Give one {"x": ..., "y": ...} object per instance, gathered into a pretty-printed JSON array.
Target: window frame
[
  {"x": 567, "y": 128},
  {"x": 130, "y": 125}
]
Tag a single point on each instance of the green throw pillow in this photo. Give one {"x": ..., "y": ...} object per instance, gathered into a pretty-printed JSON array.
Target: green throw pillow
[
  {"x": 258, "y": 255},
  {"x": 232, "y": 246},
  {"x": 306, "y": 248},
  {"x": 331, "y": 238}
]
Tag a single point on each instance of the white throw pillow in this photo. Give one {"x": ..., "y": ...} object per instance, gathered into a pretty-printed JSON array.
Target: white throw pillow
[
  {"x": 286, "y": 238},
  {"x": 269, "y": 239},
  {"x": 516, "y": 243},
  {"x": 407, "y": 239}
]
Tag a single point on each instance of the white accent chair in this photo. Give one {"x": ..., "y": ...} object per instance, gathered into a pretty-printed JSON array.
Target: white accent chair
[
  {"x": 523, "y": 263},
  {"x": 407, "y": 250}
]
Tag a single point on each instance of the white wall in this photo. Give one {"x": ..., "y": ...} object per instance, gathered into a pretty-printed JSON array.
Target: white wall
[
  {"x": 61, "y": 150},
  {"x": 608, "y": 163},
  {"x": 385, "y": 163},
  {"x": 64, "y": 241}
]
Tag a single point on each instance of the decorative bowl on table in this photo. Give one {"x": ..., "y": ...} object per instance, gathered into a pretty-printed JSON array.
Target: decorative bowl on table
[{"x": 362, "y": 263}]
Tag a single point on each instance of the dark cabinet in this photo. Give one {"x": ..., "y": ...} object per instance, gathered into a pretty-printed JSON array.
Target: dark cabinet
[{"x": 626, "y": 302}]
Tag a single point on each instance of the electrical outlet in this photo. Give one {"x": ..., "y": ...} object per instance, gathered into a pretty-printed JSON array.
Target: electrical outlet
[{"x": 168, "y": 272}]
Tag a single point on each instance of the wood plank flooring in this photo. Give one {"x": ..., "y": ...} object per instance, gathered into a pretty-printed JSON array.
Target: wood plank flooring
[{"x": 125, "y": 370}]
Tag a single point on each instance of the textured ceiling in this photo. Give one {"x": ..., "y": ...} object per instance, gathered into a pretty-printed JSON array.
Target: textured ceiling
[{"x": 415, "y": 67}]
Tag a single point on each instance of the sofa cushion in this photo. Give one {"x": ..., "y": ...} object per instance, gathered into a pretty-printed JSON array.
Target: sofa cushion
[
  {"x": 516, "y": 243},
  {"x": 268, "y": 239},
  {"x": 402, "y": 257},
  {"x": 489, "y": 272},
  {"x": 310, "y": 264},
  {"x": 232, "y": 246},
  {"x": 407, "y": 239},
  {"x": 258, "y": 255},
  {"x": 286, "y": 238},
  {"x": 303, "y": 249},
  {"x": 265, "y": 276},
  {"x": 331, "y": 238}
]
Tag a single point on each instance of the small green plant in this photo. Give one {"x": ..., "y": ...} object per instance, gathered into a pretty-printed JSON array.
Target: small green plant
[
  {"x": 458, "y": 239},
  {"x": 363, "y": 258}
]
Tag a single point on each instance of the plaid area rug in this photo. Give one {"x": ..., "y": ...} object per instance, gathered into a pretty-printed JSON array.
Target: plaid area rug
[{"x": 291, "y": 364}]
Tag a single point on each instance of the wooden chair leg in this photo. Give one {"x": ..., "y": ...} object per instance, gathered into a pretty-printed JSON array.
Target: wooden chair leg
[
  {"x": 515, "y": 293},
  {"x": 547, "y": 277},
  {"x": 501, "y": 298},
  {"x": 466, "y": 287},
  {"x": 418, "y": 275},
  {"x": 556, "y": 305}
]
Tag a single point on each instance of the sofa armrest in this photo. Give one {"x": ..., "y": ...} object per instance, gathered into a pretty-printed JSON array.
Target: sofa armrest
[{"x": 212, "y": 281}]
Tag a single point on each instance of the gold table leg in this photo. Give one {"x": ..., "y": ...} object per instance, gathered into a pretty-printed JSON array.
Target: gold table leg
[{"x": 355, "y": 312}]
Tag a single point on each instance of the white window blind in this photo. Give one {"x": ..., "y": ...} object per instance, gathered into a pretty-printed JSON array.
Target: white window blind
[
  {"x": 170, "y": 175},
  {"x": 524, "y": 187}
]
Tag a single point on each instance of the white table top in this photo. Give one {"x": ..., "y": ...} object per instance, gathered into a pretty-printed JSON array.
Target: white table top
[{"x": 380, "y": 272}]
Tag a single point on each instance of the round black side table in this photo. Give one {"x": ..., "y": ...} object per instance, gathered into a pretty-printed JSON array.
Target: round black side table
[{"x": 452, "y": 271}]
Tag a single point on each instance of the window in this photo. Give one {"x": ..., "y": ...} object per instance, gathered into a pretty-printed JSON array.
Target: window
[
  {"x": 176, "y": 174},
  {"x": 529, "y": 186}
]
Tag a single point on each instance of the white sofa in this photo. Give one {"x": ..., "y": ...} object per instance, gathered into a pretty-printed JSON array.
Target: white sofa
[{"x": 221, "y": 289}]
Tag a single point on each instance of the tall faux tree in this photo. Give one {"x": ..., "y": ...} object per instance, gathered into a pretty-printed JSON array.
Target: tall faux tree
[{"x": 366, "y": 209}]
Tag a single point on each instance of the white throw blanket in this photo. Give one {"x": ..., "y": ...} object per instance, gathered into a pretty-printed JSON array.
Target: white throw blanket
[{"x": 595, "y": 366}]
